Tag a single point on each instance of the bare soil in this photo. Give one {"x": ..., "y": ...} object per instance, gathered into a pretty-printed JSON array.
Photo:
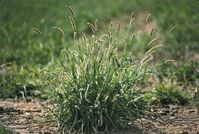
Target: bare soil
[
  {"x": 171, "y": 119},
  {"x": 29, "y": 118},
  {"x": 25, "y": 117}
]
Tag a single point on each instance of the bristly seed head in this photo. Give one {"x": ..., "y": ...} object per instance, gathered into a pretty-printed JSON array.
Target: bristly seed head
[
  {"x": 148, "y": 17},
  {"x": 93, "y": 28},
  {"x": 152, "y": 31},
  {"x": 71, "y": 11},
  {"x": 153, "y": 40},
  {"x": 59, "y": 30},
  {"x": 36, "y": 30},
  {"x": 131, "y": 22},
  {"x": 96, "y": 24},
  {"x": 132, "y": 15},
  {"x": 72, "y": 23}
]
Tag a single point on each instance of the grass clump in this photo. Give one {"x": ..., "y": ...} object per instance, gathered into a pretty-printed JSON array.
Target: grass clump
[
  {"x": 169, "y": 95},
  {"x": 188, "y": 73},
  {"x": 99, "y": 87},
  {"x": 98, "y": 90}
]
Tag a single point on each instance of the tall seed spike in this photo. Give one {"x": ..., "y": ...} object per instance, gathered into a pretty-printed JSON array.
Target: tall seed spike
[
  {"x": 153, "y": 40},
  {"x": 147, "y": 60},
  {"x": 110, "y": 36},
  {"x": 36, "y": 30},
  {"x": 131, "y": 22},
  {"x": 72, "y": 21},
  {"x": 65, "y": 53},
  {"x": 148, "y": 17},
  {"x": 118, "y": 28},
  {"x": 132, "y": 15},
  {"x": 84, "y": 37},
  {"x": 93, "y": 28},
  {"x": 71, "y": 11},
  {"x": 59, "y": 30},
  {"x": 154, "y": 47},
  {"x": 152, "y": 31}
]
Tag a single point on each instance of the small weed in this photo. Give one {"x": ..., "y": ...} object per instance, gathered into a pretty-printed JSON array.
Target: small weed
[
  {"x": 183, "y": 74},
  {"x": 169, "y": 95},
  {"x": 187, "y": 73},
  {"x": 165, "y": 70}
]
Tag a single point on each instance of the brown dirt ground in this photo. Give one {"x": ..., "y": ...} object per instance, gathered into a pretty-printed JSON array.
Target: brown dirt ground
[
  {"x": 25, "y": 117},
  {"x": 29, "y": 118}
]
